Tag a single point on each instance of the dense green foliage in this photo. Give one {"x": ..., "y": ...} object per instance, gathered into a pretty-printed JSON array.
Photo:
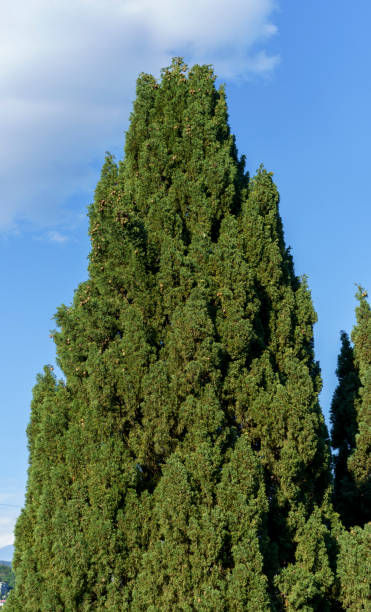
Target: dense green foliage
[
  {"x": 184, "y": 462},
  {"x": 7, "y": 575},
  {"x": 354, "y": 568}
]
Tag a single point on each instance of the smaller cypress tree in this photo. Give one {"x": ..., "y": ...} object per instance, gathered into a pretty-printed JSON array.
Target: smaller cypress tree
[
  {"x": 360, "y": 460},
  {"x": 343, "y": 418},
  {"x": 351, "y": 421},
  {"x": 275, "y": 401},
  {"x": 36, "y": 532}
]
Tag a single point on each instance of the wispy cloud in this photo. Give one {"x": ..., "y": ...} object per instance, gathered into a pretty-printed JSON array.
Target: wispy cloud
[
  {"x": 9, "y": 511},
  {"x": 55, "y": 236},
  {"x": 67, "y": 77},
  {"x": 7, "y": 524}
]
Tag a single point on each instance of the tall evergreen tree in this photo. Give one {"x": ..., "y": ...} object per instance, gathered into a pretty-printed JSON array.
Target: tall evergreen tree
[
  {"x": 351, "y": 437},
  {"x": 360, "y": 460},
  {"x": 35, "y": 533},
  {"x": 343, "y": 433},
  {"x": 351, "y": 422},
  {"x": 192, "y": 455},
  {"x": 276, "y": 403}
]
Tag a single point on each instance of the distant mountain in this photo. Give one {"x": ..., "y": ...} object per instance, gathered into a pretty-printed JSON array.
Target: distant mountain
[{"x": 6, "y": 554}]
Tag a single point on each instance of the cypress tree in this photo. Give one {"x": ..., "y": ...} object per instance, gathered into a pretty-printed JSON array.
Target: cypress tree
[
  {"x": 360, "y": 460},
  {"x": 35, "y": 534},
  {"x": 343, "y": 433},
  {"x": 193, "y": 456},
  {"x": 351, "y": 425},
  {"x": 276, "y": 403}
]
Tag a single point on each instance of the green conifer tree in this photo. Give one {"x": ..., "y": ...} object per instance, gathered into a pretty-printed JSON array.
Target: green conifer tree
[
  {"x": 360, "y": 460},
  {"x": 351, "y": 436},
  {"x": 343, "y": 433},
  {"x": 35, "y": 533},
  {"x": 276, "y": 402},
  {"x": 194, "y": 458},
  {"x": 351, "y": 422}
]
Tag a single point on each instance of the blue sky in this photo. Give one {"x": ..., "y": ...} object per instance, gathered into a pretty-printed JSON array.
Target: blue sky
[{"x": 299, "y": 94}]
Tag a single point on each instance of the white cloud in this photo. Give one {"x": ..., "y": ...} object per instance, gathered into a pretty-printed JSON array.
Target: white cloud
[
  {"x": 67, "y": 78},
  {"x": 9, "y": 512},
  {"x": 7, "y": 530},
  {"x": 54, "y": 236}
]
